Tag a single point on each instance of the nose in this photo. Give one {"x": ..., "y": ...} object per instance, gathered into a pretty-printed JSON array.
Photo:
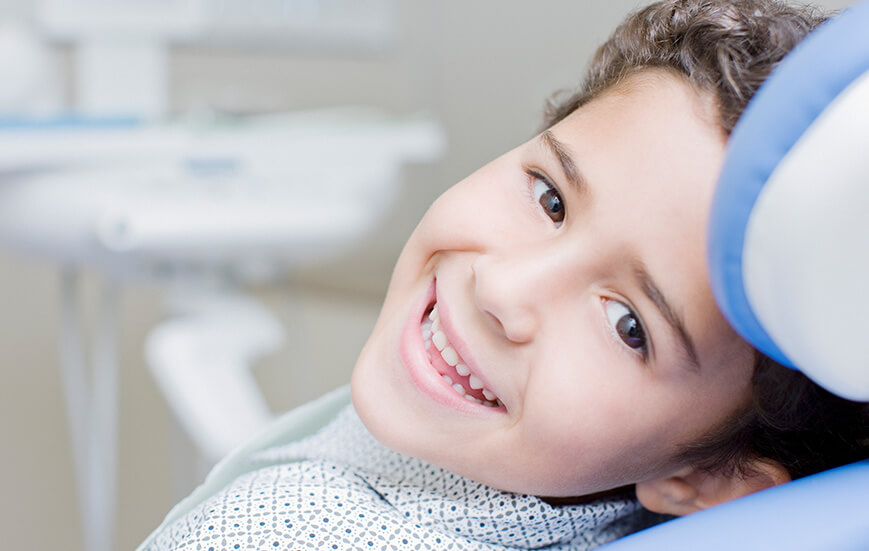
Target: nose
[{"x": 511, "y": 293}]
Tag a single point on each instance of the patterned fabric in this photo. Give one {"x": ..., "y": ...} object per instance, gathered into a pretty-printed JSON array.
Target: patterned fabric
[{"x": 341, "y": 489}]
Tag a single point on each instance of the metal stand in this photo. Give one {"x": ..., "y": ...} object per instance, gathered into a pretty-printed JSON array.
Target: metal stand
[{"x": 92, "y": 408}]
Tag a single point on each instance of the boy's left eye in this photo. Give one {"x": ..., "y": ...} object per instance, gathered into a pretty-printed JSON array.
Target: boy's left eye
[
  {"x": 626, "y": 325},
  {"x": 548, "y": 197}
]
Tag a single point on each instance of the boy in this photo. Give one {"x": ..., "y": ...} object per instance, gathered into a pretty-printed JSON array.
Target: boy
[{"x": 549, "y": 331}]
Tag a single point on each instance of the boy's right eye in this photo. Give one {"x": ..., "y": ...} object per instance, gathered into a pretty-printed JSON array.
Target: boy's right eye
[{"x": 548, "y": 197}]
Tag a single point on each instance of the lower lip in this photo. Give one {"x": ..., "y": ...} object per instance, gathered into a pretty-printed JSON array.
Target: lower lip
[{"x": 425, "y": 377}]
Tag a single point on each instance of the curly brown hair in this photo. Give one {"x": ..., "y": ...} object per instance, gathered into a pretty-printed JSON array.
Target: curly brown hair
[
  {"x": 724, "y": 47},
  {"x": 727, "y": 48}
]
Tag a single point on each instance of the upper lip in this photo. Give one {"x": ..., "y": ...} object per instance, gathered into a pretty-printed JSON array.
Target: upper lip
[{"x": 457, "y": 342}]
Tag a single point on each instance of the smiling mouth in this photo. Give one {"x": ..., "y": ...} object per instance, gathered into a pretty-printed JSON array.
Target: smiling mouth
[{"x": 443, "y": 357}]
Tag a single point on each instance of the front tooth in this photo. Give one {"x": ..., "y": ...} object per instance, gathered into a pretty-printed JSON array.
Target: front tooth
[
  {"x": 462, "y": 370},
  {"x": 489, "y": 404},
  {"x": 436, "y": 325},
  {"x": 459, "y": 388},
  {"x": 475, "y": 383},
  {"x": 450, "y": 356},
  {"x": 488, "y": 394},
  {"x": 434, "y": 313},
  {"x": 470, "y": 398},
  {"x": 448, "y": 380},
  {"x": 439, "y": 340}
]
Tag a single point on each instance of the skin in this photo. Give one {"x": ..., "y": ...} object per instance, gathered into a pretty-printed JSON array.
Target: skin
[{"x": 534, "y": 303}]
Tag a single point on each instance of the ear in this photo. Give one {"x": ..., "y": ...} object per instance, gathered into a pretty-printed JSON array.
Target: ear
[{"x": 691, "y": 489}]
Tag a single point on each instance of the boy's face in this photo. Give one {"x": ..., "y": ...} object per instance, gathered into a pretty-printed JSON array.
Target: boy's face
[{"x": 583, "y": 305}]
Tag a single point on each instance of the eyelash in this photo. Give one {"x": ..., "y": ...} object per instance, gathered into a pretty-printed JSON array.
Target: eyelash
[{"x": 535, "y": 176}]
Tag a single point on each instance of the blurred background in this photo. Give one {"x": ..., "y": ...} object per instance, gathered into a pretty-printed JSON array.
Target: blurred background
[{"x": 470, "y": 78}]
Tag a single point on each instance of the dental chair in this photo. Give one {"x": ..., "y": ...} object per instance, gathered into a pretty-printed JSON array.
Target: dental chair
[{"x": 789, "y": 262}]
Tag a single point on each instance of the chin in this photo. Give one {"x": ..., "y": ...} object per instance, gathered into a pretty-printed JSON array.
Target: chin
[{"x": 375, "y": 404}]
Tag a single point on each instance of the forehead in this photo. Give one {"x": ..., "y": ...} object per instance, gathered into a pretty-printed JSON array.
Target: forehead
[
  {"x": 650, "y": 121},
  {"x": 650, "y": 152}
]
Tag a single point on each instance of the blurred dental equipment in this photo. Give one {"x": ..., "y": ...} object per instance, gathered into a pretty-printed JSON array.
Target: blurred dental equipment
[
  {"x": 30, "y": 84},
  {"x": 199, "y": 207},
  {"x": 220, "y": 208},
  {"x": 122, "y": 46}
]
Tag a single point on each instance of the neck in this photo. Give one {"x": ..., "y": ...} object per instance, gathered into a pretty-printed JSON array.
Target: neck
[{"x": 621, "y": 491}]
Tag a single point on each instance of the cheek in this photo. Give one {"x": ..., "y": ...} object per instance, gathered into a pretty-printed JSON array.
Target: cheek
[
  {"x": 603, "y": 417},
  {"x": 600, "y": 437},
  {"x": 448, "y": 221},
  {"x": 582, "y": 393},
  {"x": 474, "y": 213}
]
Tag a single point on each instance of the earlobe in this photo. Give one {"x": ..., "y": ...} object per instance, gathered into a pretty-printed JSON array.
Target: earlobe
[
  {"x": 690, "y": 489},
  {"x": 672, "y": 495}
]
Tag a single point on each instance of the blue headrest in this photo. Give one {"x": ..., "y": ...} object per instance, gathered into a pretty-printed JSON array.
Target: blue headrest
[
  {"x": 823, "y": 512},
  {"x": 789, "y": 227}
]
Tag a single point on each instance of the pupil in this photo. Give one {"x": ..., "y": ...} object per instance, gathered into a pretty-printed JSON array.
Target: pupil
[
  {"x": 630, "y": 331},
  {"x": 551, "y": 203}
]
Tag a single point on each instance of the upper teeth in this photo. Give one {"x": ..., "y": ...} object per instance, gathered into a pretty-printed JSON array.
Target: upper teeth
[
  {"x": 431, "y": 329},
  {"x": 450, "y": 356},
  {"x": 439, "y": 340}
]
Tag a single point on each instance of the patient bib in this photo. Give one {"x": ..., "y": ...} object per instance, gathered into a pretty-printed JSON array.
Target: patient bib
[{"x": 341, "y": 489}]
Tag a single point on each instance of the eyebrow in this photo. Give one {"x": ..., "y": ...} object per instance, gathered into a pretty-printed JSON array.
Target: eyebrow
[
  {"x": 562, "y": 153},
  {"x": 672, "y": 317}
]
